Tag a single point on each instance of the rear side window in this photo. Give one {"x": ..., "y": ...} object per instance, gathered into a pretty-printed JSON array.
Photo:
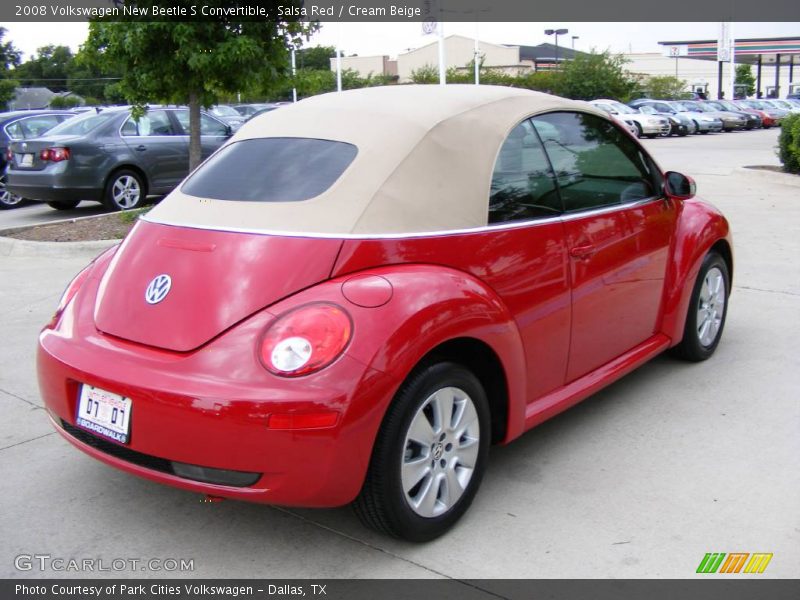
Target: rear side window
[
  {"x": 271, "y": 170},
  {"x": 83, "y": 124}
]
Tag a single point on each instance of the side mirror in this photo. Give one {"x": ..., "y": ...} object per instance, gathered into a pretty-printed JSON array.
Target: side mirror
[
  {"x": 228, "y": 131},
  {"x": 680, "y": 186}
]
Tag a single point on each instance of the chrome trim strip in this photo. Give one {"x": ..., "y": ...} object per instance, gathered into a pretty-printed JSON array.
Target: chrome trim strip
[{"x": 423, "y": 234}]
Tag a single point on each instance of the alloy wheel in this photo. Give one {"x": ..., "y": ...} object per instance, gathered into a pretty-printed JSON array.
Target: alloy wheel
[{"x": 711, "y": 307}]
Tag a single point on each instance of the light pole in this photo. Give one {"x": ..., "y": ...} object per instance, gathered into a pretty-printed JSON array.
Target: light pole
[
  {"x": 557, "y": 33},
  {"x": 575, "y": 37}
]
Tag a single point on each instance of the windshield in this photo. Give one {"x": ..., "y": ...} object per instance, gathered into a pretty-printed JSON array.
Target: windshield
[
  {"x": 82, "y": 124},
  {"x": 225, "y": 111},
  {"x": 622, "y": 109},
  {"x": 683, "y": 107}
]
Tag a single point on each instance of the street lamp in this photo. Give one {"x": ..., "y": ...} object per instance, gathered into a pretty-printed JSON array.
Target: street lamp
[
  {"x": 557, "y": 33},
  {"x": 575, "y": 37}
]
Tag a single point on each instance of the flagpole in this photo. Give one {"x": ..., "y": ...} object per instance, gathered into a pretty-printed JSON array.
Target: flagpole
[
  {"x": 477, "y": 57},
  {"x": 442, "y": 69}
]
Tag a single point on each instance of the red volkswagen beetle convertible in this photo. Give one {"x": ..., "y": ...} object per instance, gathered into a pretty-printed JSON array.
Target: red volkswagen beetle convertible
[{"x": 358, "y": 294}]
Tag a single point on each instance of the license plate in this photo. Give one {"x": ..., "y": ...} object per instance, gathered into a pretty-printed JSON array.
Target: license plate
[
  {"x": 25, "y": 160},
  {"x": 104, "y": 413}
]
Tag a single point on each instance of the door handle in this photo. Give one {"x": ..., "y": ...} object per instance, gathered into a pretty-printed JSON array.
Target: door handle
[
  {"x": 584, "y": 251},
  {"x": 140, "y": 148}
]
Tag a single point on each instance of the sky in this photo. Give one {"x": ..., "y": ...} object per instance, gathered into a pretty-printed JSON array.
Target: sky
[{"x": 391, "y": 39}]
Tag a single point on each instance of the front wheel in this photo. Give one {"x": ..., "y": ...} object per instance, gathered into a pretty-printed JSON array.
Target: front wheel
[
  {"x": 429, "y": 456},
  {"x": 125, "y": 190},
  {"x": 708, "y": 308}
]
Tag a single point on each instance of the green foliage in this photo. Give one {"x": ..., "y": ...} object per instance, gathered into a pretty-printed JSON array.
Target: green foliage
[
  {"x": 789, "y": 144},
  {"x": 49, "y": 68},
  {"x": 9, "y": 58},
  {"x": 744, "y": 76},
  {"x": 129, "y": 216},
  {"x": 194, "y": 62},
  {"x": 65, "y": 102},
  {"x": 663, "y": 87},
  {"x": 316, "y": 57},
  {"x": 595, "y": 75},
  {"x": 588, "y": 76},
  {"x": 425, "y": 74}
]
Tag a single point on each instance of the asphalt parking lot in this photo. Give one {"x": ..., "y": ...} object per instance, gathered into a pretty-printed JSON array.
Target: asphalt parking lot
[{"x": 639, "y": 481}]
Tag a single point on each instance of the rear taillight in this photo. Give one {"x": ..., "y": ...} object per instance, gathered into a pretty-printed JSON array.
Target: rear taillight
[
  {"x": 9, "y": 155},
  {"x": 305, "y": 339},
  {"x": 55, "y": 154},
  {"x": 69, "y": 294}
]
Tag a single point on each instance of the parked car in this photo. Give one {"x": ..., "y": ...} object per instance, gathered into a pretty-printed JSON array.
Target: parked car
[
  {"x": 248, "y": 110},
  {"x": 21, "y": 125},
  {"x": 730, "y": 121},
  {"x": 763, "y": 105},
  {"x": 769, "y": 117},
  {"x": 109, "y": 157},
  {"x": 680, "y": 125},
  {"x": 648, "y": 125},
  {"x": 784, "y": 105},
  {"x": 704, "y": 122},
  {"x": 353, "y": 309},
  {"x": 753, "y": 121},
  {"x": 229, "y": 115}
]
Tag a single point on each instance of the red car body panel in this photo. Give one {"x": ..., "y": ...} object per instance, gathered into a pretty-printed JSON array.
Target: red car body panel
[
  {"x": 220, "y": 278},
  {"x": 566, "y": 305}
]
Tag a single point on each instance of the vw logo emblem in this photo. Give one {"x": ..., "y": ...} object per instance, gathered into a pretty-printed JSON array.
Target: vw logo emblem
[{"x": 158, "y": 289}]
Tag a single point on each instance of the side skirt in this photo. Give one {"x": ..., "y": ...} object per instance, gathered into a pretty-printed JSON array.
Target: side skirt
[{"x": 563, "y": 398}]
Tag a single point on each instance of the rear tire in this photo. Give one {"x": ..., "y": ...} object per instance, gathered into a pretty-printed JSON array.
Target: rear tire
[
  {"x": 707, "y": 310},
  {"x": 429, "y": 456},
  {"x": 125, "y": 190},
  {"x": 7, "y": 199},
  {"x": 64, "y": 204}
]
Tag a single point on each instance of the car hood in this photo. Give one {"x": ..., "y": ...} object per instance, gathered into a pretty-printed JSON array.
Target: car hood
[{"x": 216, "y": 280}]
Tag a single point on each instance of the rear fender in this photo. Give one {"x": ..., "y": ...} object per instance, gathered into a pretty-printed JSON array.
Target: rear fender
[{"x": 429, "y": 305}]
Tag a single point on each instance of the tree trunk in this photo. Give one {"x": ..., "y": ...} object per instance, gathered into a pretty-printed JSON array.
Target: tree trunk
[{"x": 195, "y": 147}]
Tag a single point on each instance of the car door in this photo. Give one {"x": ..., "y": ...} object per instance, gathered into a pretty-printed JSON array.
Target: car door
[
  {"x": 155, "y": 147},
  {"x": 618, "y": 228},
  {"x": 213, "y": 132},
  {"x": 524, "y": 256}
]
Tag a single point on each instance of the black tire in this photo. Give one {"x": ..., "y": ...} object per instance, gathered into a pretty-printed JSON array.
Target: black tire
[
  {"x": 638, "y": 129},
  {"x": 112, "y": 200},
  {"x": 697, "y": 127},
  {"x": 64, "y": 204},
  {"x": 652, "y": 136},
  {"x": 691, "y": 347},
  {"x": 383, "y": 504},
  {"x": 704, "y": 132},
  {"x": 9, "y": 201},
  {"x": 683, "y": 133}
]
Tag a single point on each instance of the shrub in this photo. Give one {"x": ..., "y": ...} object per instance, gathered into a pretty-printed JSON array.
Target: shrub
[{"x": 789, "y": 144}]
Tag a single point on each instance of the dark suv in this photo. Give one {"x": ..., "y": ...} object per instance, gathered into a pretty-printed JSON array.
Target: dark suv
[
  {"x": 22, "y": 125},
  {"x": 110, "y": 157}
]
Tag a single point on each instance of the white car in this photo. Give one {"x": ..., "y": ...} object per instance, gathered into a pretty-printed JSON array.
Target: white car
[{"x": 646, "y": 125}]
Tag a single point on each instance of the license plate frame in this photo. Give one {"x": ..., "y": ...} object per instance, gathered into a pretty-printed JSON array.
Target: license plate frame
[{"x": 104, "y": 413}]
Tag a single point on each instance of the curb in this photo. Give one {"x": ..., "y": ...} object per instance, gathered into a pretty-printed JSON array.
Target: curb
[
  {"x": 27, "y": 248},
  {"x": 773, "y": 176}
]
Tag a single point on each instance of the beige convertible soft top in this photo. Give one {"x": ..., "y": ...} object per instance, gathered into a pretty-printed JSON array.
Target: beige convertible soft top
[{"x": 425, "y": 159}]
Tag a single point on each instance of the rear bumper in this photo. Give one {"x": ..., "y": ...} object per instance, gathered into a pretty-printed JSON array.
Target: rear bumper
[
  {"x": 46, "y": 186},
  {"x": 210, "y": 409}
]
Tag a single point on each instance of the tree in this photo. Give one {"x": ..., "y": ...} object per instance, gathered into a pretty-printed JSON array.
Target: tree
[
  {"x": 49, "y": 68},
  {"x": 595, "y": 75},
  {"x": 9, "y": 58},
  {"x": 663, "y": 87},
  {"x": 745, "y": 77},
  {"x": 194, "y": 62},
  {"x": 316, "y": 57}
]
